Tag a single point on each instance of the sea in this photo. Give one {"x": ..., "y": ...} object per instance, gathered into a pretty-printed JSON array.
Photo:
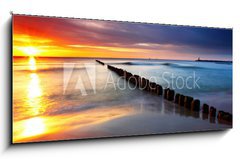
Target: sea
[{"x": 78, "y": 98}]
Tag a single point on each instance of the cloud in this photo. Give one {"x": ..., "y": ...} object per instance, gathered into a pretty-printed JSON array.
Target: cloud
[{"x": 74, "y": 32}]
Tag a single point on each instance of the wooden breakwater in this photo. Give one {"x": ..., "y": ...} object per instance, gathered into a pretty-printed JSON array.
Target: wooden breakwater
[
  {"x": 170, "y": 95},
  {"x": 100, "y": 62}
]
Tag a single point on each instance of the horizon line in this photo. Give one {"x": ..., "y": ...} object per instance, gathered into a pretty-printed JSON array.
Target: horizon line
[{"x": 120, "y": 58}]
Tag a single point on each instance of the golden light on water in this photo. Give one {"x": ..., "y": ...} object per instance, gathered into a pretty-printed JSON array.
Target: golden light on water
[
  {"x": 33, "y": 126},
  {"x": 34, "y": 89},
  {"x": 34, "y": 96},
  {"x": 32, "y": 64},
  {"x": 34, "y": 123},
  {"x": 65, "y": 126}
]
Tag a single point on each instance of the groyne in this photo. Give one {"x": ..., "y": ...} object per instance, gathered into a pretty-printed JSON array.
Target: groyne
[
  {"x": 100, "y": 62},
  {"x": 188, "y": 102}
]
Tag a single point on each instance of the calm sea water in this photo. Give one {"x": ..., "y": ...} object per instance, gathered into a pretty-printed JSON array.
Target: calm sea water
[{"x": 71, "y": 98}]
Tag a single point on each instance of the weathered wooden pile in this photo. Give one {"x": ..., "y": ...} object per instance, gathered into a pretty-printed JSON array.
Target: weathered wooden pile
[
  {"x": 170, "y": 95},
  {"x": 100, "y": 62},
  {"x": 140, "y": 82}
]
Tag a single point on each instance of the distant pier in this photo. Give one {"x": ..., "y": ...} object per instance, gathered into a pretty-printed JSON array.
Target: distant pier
[{"x": 216, "y": 61}]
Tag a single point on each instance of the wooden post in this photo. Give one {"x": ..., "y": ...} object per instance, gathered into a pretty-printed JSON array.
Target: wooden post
[
  {"x": 205, "y": 108},
  {"x": 181, "y": 100},
  {"x": 213, "y": 111},
  {"x": 170, "y": 95},
  {"x": 176, "y": 100},
  {"x": 187, "y": 102},
  {"x": 165, "y": 93},
  {"x": 159, "y": 89},
  {"x": 195, "y": 106}
]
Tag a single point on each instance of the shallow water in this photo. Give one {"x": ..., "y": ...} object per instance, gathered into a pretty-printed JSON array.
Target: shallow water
[
  {"x": 208, "y": 81},
  {"x": 66, "y": 98}
]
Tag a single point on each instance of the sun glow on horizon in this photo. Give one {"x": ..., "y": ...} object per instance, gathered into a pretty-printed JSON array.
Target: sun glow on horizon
[
  {"x": 32, "y": 46},
  {"x": 31, "y": 51}
]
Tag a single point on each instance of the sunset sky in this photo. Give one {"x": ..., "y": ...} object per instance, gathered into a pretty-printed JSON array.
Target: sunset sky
[{"x": 66, "y": 37}]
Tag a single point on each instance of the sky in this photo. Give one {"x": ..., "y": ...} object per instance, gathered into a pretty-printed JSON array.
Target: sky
[{"x": 69, "y": 37}]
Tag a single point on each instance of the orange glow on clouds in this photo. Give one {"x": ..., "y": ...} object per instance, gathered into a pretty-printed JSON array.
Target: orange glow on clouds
[
  {"x": 35, "y": 36},
  {"x": 33, "y": 46}
]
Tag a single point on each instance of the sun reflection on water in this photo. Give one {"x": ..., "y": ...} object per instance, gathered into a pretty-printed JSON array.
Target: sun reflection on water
[
  {"x": 33, "y": 126},
  {"x": 64, "y": 126},
  {"x": 34, "y": 95},
  {"x": 32, "y": 64},
  {"x": 34, "y": 89},
  {"x": 39, "y": 126}
]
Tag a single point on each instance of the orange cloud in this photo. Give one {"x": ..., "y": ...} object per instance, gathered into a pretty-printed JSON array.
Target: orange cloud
[{"x": 63, "y": 37}]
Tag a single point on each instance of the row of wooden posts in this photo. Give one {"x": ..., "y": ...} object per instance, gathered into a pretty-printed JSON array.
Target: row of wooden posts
[
  {"x": 100, "y": 62},
  {"x": 170, "y": 95}
]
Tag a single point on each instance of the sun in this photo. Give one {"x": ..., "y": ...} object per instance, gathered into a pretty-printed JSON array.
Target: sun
[{"x": 31, "y": 51}]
